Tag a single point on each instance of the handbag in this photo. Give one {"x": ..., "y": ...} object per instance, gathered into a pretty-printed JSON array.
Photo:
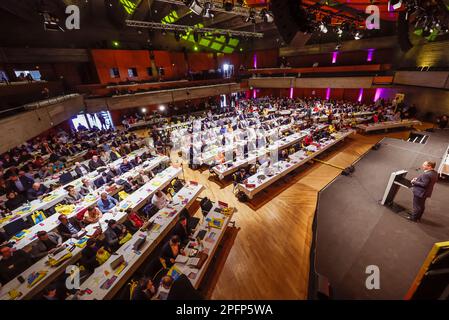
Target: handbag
[
  {"x": 102, "y": 255},
  {"x": 126, "y": 238},
  {"x": 38, "y": 217},
  {"x": 123, "y": 195}
]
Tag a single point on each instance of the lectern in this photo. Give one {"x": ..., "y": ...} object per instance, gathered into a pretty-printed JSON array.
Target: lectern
[{"x": 397, "y": 180}]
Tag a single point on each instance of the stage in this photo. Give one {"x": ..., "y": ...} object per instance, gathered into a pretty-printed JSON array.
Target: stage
[{"x": 353, "y": 230}]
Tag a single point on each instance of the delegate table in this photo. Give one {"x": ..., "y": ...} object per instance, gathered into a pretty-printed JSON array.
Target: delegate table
[
  {"x": 56, "y": 196},
  {"x": 164, "y": 221},
  {"x": 260, "y": 180},
  {"x": 15, "y": 290},
  {"x": 209, "y": 156},
  {"x": 406, "y": 123},
  {"x": 214, "y": 225},
  {"x": 230, "y": 167},
  {"x": 50, "y": 223}
]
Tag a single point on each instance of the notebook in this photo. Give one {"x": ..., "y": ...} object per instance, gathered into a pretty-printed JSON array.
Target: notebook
[{"x": 181, "y": 259}]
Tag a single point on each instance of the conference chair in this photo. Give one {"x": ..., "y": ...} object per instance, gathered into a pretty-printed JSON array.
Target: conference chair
[
  {"x": 65, "y": 178},
  {"x": 234, "y": 182}
]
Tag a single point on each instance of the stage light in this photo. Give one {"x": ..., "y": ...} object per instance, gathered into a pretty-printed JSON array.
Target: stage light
[
  {"x": 394, "y": 4},
  {"x": 207, "y": 10},
  {"x": 225, "y": 67},
  {"x": 195, "y": 48},
  {"x": 195, "y": 7},
  {"x": 334, "y": 57},
  {"x": 325, "y": 22},
  {"x": 266, "y": 16},
  {"x": 144, "y": 110},
  {"x": 51, "y": 22},
  {"x": 323, "y": 27},
  {"x": 116, "y": 44},
  {"x": 357, "y": 35},
  {"x": 339, "y": 32},
  {"x": 161, "y": 107}
]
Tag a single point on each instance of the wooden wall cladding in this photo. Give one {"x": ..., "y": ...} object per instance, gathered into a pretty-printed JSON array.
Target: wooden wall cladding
[
  {"x": 105, "y": 60},
  {"x": 24, "y": 126},
  {"x": 433, "y": 79}
]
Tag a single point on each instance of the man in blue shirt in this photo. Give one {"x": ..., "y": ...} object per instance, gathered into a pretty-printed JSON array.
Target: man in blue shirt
[
  {"x": 19, "y": 184},
  {"x": 126, "y": 165},
  {"x": 36, "y": 191},
  {"x": 106, "y": 202}
]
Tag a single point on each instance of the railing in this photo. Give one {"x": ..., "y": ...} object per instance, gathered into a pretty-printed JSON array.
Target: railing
[
  {"x": 97, "y": 91},
  {"x": 332, "y": 69}
]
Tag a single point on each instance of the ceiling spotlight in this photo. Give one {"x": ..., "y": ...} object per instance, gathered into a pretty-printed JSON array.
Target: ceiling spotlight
[
  {"x": 51, "y": 22},
  {"x": 266, "y": 16},
  {"x": 144, "y": 110},
  {"x": 357, "y": 35},
  {"x": 207, "y": 10},
  {"x": 339, "y": 32},
  {"x": 161, "y": 107},
  {"x": 322, "y": 27},
  {"x": 195, "y": 7},
  {"x": 228, "y": 5}
]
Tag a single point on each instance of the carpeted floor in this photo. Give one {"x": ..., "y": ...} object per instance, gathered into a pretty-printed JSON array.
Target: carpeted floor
[{"x": 354, "y": 231}]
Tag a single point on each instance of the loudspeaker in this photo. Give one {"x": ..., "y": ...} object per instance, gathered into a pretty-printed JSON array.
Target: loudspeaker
[
  {"x": 290, "y": 17},
  {"x": 403, "y": 36}
]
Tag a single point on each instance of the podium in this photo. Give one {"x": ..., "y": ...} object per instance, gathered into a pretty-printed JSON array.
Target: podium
[{"x": 396, "y": 181}]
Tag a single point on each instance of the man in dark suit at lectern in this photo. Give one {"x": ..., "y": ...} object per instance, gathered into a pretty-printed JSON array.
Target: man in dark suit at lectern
[{"x": 422, "y": 187}]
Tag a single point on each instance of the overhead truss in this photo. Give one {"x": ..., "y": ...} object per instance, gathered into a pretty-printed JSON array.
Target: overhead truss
[{"x": 185, "y": 29}]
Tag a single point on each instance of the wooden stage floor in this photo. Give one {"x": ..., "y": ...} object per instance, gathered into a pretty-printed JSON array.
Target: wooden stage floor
[{"x": 267, "y": 255}]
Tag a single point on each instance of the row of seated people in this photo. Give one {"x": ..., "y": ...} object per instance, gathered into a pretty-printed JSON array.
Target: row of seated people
[
  {"x": 22, "y": 188},
  {"x": 243, "y": 152},
  {"x": 265, "y": 162},
  {"x": 88, "y": 186},
  {"x": 41, "y": 169},
  {"x": 21, "y": 180},
  {"x": 62, "y": 144},
  {"x": 153, "y": 284},
  {"x": 14, "y": 262}
]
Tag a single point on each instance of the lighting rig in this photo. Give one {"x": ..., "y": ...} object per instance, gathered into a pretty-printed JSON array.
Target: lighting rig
[
  {"x": 206, "y": 8},
  {"x": 432, "y": 17},
  {"x": 196, "y": 30}
]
